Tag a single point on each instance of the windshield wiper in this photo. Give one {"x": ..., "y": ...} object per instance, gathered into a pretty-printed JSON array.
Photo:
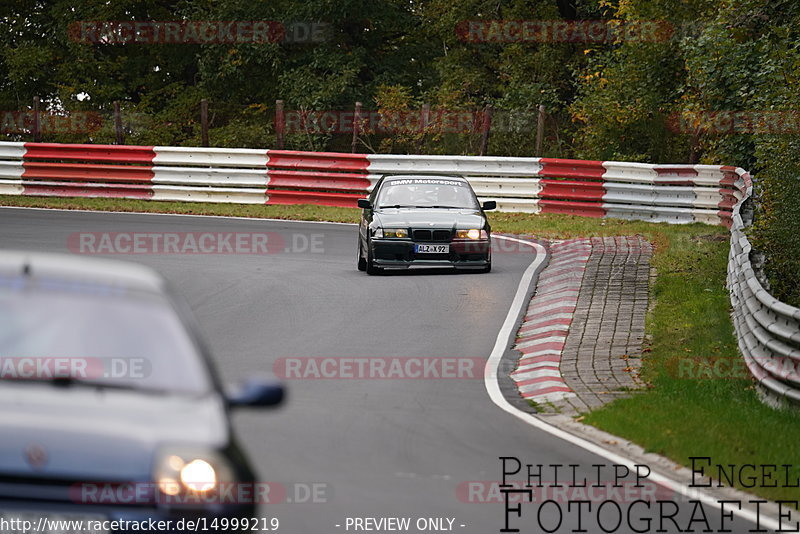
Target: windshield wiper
[
  {"x": 70, "y": 381},
  {"x": 399, "y": 206}
]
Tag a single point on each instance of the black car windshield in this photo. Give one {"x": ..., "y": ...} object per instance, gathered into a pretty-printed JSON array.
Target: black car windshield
[
  {"x": 426, "y": 193},
  {"x": 110, "y": 339}
]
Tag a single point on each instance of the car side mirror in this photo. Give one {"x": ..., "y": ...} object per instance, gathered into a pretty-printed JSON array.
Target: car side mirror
[
  {"x": 257, "y": 393},
  {"x": 490, "y": 205},
  {"x": 364, "y": 203}
]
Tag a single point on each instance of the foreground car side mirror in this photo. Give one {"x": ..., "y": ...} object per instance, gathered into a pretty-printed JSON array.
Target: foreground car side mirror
[
  {"x": 257, "y": 393},
  {"x": 364, "y": 203},
  {"x": 489, "y": 205}
]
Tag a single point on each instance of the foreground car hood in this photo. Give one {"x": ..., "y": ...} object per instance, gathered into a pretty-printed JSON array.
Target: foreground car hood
[
  {"x": 98, "y": 435},
  {"x": 422, "y": 218}
]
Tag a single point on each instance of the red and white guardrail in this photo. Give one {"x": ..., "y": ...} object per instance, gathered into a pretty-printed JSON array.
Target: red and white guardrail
[{"x": 662, "y": 193}]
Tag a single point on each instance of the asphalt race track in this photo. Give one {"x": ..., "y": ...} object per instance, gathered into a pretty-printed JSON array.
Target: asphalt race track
[{"x": 370, "y": 447}]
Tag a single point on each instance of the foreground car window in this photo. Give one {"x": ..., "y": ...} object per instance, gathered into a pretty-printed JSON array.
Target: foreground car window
[
  {"x": 117, "y": 340},
  {"x": 426, "y": 194}
]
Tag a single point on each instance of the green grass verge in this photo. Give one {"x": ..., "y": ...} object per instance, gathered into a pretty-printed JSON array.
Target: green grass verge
[
  {"x": 684, "y": 412},
  {"x": 304, "y": 212}
]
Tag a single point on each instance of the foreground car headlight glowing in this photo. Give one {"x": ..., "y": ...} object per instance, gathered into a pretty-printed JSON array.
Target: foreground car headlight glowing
[
  {"x": 472, "y": 233},
  {"x": 391, "y": 233},
  {"x": 198, "y": 475},
  {"x": 190, "y": 471}
]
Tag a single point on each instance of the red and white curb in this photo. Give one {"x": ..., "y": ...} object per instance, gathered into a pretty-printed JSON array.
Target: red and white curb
[{"x": 544, "y": 330}]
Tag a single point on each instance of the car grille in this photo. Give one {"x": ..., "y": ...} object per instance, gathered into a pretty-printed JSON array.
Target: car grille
[
  {"x": 31, "y": 489},
  {"x": 432, "y": 235}
]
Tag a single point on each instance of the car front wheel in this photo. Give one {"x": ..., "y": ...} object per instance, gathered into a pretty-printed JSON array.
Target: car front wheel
[
  {"x": 488, "y": 267},
  {"x": 371, "y": 268},
  {"x": 362, "y": 263}
]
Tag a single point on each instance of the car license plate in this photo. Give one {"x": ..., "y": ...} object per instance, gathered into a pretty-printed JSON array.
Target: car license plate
[
  {"x": 431, "y": 249},
  {"x": 25, "y": 522}
]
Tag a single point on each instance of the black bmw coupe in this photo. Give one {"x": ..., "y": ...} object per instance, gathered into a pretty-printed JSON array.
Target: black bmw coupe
[{"x": 424, "y": 221}]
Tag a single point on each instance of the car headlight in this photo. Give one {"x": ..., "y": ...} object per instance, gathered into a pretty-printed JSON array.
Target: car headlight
[
  {"x": 190, "y": 471},
  {"x": 472, "y": 233},
  {"x": 199, "y": 475},
  {"x": 391, "y": 233}
]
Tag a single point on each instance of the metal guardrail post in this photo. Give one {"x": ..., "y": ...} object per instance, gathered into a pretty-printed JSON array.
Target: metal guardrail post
[
  {"x": 356, "y": 127},
  {"x": 37, "y": 126},
  {"x": 204, "y": 122}
]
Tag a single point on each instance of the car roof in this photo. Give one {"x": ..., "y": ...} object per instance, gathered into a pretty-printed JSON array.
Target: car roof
[
  {"x": 426, "y": 175},
  {"x": 82, "y": 270}
]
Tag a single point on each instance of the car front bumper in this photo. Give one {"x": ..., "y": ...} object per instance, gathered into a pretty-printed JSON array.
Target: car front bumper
[{"x": 399, "y": 254}]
